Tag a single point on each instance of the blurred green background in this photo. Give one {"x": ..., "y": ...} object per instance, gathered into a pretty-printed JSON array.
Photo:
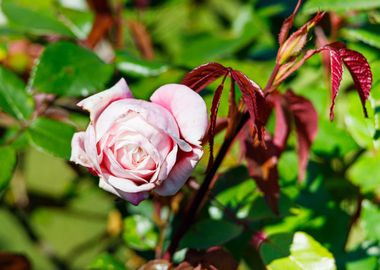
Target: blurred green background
[{"x": 54, "y": 213}]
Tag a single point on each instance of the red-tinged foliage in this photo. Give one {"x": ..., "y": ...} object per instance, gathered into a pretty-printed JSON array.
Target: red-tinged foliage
[
  {"x": 306, "y": 124},
  {"x": 213, "y": 258},
  {"x": 14, "y": 261},
  {"x": 262, "y": 167},
  {"x": 257, "y": 239},
  {"x": 360, "y": 72},
  {"x": 336, "y": 69},
  {"x": 213, "y": 114},
  {"x": 288, "y": 24},
  {"x": 283, "y": 119},
  {"x": 201, "y": 76},
  {"x": 356, "y": 64},
  {"x": 254, "y": 100}
]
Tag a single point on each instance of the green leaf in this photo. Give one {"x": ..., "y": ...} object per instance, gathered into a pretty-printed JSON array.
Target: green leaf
[
  {"x": 297, "y": 251},
  {"x": 106, "y": 261},
  {"x": 14, "y": 99},
  {"x": 51, "y": 136},
  {"x": 368, "y": 35},
  {"x": 370, "y": 220},
  {"x": 209, "y": 232},
  {"x": 312, "y": 6},
  {"x": 36, "y": 17},
  {"x": 133, "y": 66},
  {"x": 139, "y": 233},
  {"x": 365, "y": 173},
  {"x": 70, "y": 70},
  {"x": 7, "y": 165},
  {"x": 362, "y": 129}
]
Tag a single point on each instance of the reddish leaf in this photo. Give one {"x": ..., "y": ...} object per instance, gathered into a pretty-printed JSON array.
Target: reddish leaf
[
  {"x": 283, "y": 117},
  {"x": 213, "y": 258},
  {"x": 288, "y": 24},
  {"x": 211, "y": 130},
  {"x": 336, "y": 69},
  {"x": 14, "y": 261},
  {"x": 306, "y": 123},
  {"x": 201, "y": 76},
  {"x": 360, "y": 71},
  {"x": 262, "y": 167},
  {"x": 254, "y": 100}
]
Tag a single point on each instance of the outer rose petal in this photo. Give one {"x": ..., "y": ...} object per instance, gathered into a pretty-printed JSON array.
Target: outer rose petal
[
  {"x": 181, "y": 171},
  {"x": 134, "y": 198},
  {"x": 129, "y": 186},
  {"x": 78, "y": 154},
  {"x": 95, "y": 104},
  {"x": 187, "y": 107}
]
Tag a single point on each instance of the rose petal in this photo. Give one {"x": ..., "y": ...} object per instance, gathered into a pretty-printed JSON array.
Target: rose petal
[
  {"x": 95, "y": 104},
  {"x": 134, "y": 198},
  {"x": 180, "y": 172},
  {"x": 187, "y": 107},
  {"x": 78, "y": 154},
  {"x": 152, "y": 113},
  {"x": 90, "y": 149},
  {"x": 128, "y": 185}
]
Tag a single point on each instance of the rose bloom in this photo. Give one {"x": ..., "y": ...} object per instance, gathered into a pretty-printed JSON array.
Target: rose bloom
[{"x": 136, "y": 146}]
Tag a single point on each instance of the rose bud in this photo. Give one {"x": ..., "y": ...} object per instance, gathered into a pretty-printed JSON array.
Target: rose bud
[{"x": 136, "y": 146}]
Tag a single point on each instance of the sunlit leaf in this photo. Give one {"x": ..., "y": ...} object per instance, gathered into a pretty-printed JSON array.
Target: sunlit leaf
[
  {"x": 133, "y": 66},
  {"x": 297, "y": 251},
  {"x": 36, "y": 17},
  {"x": 364, "y": 172},
  {"x": 51, "y": 136},
  {"x": 70, "y": 70},
  {"x": 312, "y": 6},
  {"x": 14, "y": 99}
]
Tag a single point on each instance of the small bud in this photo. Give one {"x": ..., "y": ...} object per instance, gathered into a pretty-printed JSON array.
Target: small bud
[{"x": 292, "y": 47}]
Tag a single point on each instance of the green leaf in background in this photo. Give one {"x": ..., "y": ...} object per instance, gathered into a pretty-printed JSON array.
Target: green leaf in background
[
  {"x": 139, "y": 233},
  {"x": 208, "y": 233},
  {"x": 361, "y": 129},
  {"x": 133, "y": 66},
  {"x": 312, "y": 6},
  {"x": 297, "y": 251},
  {"x": 106, "y": 261},
  {"x": 365, "y": 172},
  {"x": 7, "y": 165},
  {"x": 368, "y": 35},
  {"x": 36, "y": 17},
  {"x": 14, "y": 99},
  {"x": 51, "y": 136},
  {"x": 70, "y": 70},
  {"x": 370, "y": 220}
]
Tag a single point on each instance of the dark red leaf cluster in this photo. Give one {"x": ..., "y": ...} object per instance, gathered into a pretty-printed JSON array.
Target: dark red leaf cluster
[
  {"x": 356, "y": 64},
  {"x": 201, "y": 76},
  {"x": 253, "y": 96}
]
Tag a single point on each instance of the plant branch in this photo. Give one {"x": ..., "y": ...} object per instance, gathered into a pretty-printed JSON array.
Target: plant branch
[{"x": 196, "y": 203}]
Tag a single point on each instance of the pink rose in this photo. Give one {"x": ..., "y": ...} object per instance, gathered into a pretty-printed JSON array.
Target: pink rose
[{"x": 136, "y": 146}]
